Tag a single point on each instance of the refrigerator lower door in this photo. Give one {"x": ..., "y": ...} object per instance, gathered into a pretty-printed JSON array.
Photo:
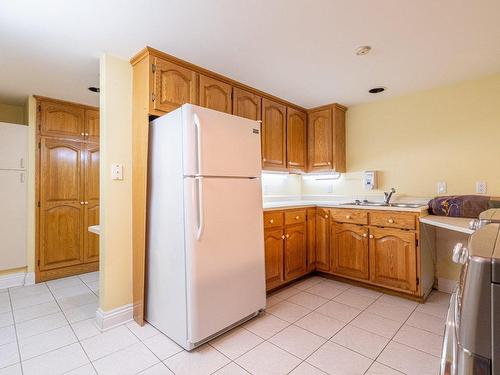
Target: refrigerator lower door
[
  {"x": 13, "y": 219},
  {"x": 219, "y": 144},
  {"x": 224, "y": 253}
]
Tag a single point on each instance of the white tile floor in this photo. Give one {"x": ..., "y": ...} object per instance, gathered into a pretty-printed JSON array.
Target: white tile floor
[{"x": 316, "y": 326}]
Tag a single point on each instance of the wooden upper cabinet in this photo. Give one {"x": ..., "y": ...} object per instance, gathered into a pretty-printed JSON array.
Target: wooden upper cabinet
[
  {"x": 295, "y": 251},
  {"x": 274, "y": 247},
  {"x": 322, "y": 240},
  {"x": 326, "y": 139},
  {"x": 60, "y": 119},
  {"x": 349, "y": 250},
  {"x": 173, "y": 86},
  {"x": 273, "y": 135},
  {"x": 296, "y": 136},
  {"x": 393, "y": 258},
  {"x": 92, "y": 125},
  {"x": 215, "y": 94},
  {"x": 246, "y": 104},
  {"x": 320, "y": 140}
]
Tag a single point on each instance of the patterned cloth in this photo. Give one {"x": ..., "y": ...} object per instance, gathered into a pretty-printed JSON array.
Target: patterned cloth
[{"x": 459, "y": 205}]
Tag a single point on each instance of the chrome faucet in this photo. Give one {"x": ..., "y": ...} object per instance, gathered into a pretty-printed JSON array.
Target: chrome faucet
[{"x": 388, "y": 196}]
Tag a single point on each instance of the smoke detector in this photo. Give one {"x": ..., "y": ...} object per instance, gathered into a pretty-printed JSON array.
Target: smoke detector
[
  {"x": 377, "y": 90},
  {"x": 363, "y": 50}
]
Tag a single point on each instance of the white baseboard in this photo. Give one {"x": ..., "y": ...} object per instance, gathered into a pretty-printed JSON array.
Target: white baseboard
[
  {"x": 17, "y": 279},
  {"x": 109, "y": 319},
  {"x": 446, "y": 285}
]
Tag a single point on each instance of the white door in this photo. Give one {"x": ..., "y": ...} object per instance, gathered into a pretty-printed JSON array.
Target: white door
[
  {"x": 225, "y": 274},
  {"x": 12, "y": 219},
  {"x": 13, "y": 146},
  {"x": 218, "y": 144}
]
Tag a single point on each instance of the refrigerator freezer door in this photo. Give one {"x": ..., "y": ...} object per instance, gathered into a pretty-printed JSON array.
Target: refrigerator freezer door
[
  {"x": 218, "y": 144},
  {"x": 224, "y": 253},
  {"x": 13, "y": 217},
  {"x": 13, "y": 146}
]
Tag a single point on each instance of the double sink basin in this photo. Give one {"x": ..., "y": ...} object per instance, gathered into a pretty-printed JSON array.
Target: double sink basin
[{"x": 382, "y": 204}]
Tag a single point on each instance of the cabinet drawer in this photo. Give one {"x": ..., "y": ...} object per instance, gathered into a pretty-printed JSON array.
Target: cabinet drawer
[
  {"x": 295, "y": 217},
  {"x": 349, "y": 216},
  {"x": 393, "y": 220},
  {"x": 273, "y": 219}
]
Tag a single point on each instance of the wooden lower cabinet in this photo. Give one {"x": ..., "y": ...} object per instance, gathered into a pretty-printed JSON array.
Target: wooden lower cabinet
[
  {"x": 295, "y": 251},
  {"x": 274, "y": 240},
  {"x": 393, "y": 258},
  {"x": 311, "y": 239},
  {"x": 322, "y": 240},
  {"x": 349, "y": 250}
]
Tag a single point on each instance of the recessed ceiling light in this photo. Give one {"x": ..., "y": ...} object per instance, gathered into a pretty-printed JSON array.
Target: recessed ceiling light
[
  {"x": 363, "y": 50},
  {"x": 94, "y": 89},
  {"x": 377, "y": 90}
]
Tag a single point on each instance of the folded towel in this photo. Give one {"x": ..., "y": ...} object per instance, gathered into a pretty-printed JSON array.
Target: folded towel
[{"x": 459, "y": 205}]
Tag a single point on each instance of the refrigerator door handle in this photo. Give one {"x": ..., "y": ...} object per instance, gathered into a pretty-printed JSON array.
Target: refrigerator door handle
[
  {"x": 198, "y": 143},
  {"x": 199, "y": 210}
]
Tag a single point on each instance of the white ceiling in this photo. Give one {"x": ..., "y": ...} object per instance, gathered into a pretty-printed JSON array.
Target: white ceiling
[{"x": 299, "y": 50}]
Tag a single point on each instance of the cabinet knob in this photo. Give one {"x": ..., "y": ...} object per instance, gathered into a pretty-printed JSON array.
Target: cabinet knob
[
  {"x": 282, "y": 237},
  {"x": 271, "y": 221},
  {"x": 329, "y": 163},
  {"x": 365, "y": 235},
  {"x": 86, "y": 202},
  {"x": 326, "y": 216},
  {"x": 82, "y": 134},
  {"x": 287, "y": 235},
  {"x": 86, "y": 134},
  {"x": 264, "y": 159},
  {"x": 82, "y": 203},
  {"x": 297, "y": 218},
  {"x": 348, "y": 216},
  {"x": 371, "y": 236},
  {"x": 390, "y": 221}
]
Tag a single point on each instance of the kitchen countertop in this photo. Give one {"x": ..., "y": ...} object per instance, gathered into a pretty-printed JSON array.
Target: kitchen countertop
[
  {"x": 457, "y": 224},
  {"x": 269, "y": 206},
  {"x": 95, "y": 229}
]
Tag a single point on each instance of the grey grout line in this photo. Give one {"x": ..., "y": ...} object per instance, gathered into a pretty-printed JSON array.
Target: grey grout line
[{"x": 15, "y": 331}]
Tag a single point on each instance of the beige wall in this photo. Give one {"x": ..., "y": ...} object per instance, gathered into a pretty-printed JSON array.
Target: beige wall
[
  {"x": 449, "y": 134},
  {"x": 280, "y": 184},
  {"x": 12, "y": 113},
  {"x": 115, "y": 288}
]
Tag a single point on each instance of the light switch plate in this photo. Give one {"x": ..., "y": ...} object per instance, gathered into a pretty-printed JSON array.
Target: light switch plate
[
  {"x": 481, "y": 187},
  {"x": 441, "y": 187},
  {"x": 117, "y": 171}
]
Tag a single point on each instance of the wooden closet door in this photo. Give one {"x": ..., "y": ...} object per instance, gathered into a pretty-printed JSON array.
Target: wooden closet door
[
  {"x": 92, "y": 125},
  {"x": 246, "y": 104},
  {"x": 296, "y": 135},
  {"x": 91, "y": 240},
  {"x": 215, "y": 94},
  {"x": 273, "y": 135},
  {"x": 60, "y": 119},
  {"x": 173, "y": 86},
  {"x": 61, "y": 204}
]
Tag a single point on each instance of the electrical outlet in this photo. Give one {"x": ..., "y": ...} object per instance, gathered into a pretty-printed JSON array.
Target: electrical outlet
[
  {"x": 441, "y": 187},
  {"x": 117, "y": 171},
  {"x": 481, "y": 187}
]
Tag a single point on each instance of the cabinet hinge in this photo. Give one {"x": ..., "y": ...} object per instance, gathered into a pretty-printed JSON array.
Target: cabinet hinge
[
  {"x": 39, "y": 108},
  {"x": 39, "y": 144},
  {"x": 38, "y": 262},
  {"x": 153, "y": 68},
  {"x": 153, "y": 97},
  {"x": 418, "y": 280},
  {"x": 38, "y": 204},
  {"x": 416, "y": 242}
]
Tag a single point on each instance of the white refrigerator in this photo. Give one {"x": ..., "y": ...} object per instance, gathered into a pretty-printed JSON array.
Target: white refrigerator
[
  {"x": 13, "y": 194},
  {"x": 205, "y": 254}
]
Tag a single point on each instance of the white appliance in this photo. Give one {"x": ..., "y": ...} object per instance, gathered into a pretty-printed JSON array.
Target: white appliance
[
  {"x": 205, "y": 255},
  {"x": 13, "y": 194}
]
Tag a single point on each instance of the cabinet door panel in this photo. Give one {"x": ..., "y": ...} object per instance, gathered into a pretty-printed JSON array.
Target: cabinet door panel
[
  {"x": 91, "y": 253},
  {"x": 349, "y": 250},
  {"x": 246, "y": 104},
  {"x": 274, "y": 244},
  {"x": 273, "y": 135},
  {"x": 59, "y": 119},
  {"x": 393, "y": 258},
  {"x": 92, "y": 125},
  {"x": 320, "y": 140},
  {"x": 92, "y": 172},
  {"x": 61, "y": 241},
  {"x": 295, "y": 251},
  {"x": 215, "y": 94},
  {"x": 173, "y": 85},
  {"x": 296, "y": 135},
  {"x": 311, "y": 239},
  {"x": 322, "y": 240}
]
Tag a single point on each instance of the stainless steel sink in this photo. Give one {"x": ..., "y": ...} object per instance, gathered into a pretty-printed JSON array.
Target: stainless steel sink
[
  {"x": 406, "y": 205},
  {"x": 382, "y": 204}
]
